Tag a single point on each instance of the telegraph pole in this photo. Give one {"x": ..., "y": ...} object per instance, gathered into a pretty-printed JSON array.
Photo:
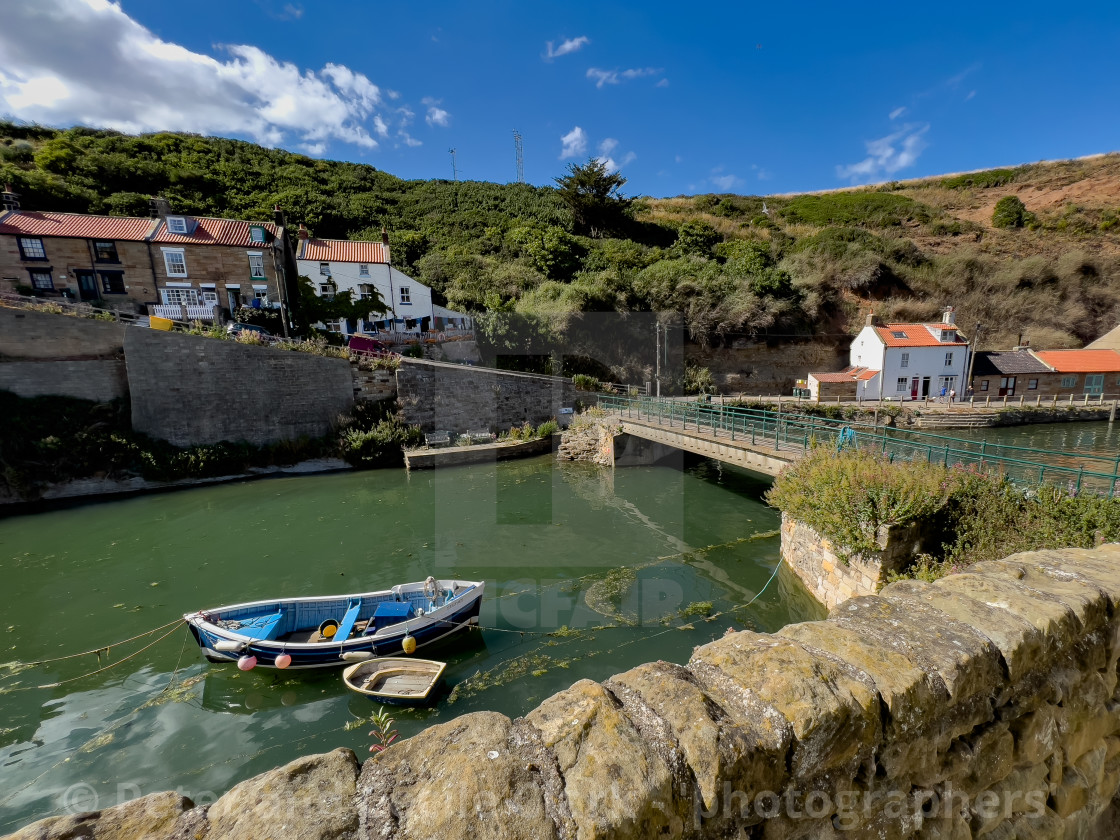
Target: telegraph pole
[
  {"x": 657, "y": 343},
  {"x": 519, "y": 155},
  {"x": 972, "y": 355},
  {"x": 454, "y": 168}
]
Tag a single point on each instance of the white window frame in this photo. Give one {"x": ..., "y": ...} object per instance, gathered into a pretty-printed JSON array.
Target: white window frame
[
  {"x": 46, "y": 273},
  {"x": 181, "y": 254},
  {"x": 406, "y": 296},
  {"x": 32, "y": 248},
  {"x": 324, "y": 269},
  {"x": 177, "y": 224},
  {"x": 949, "y": 359},
  {"x": 180, "y": 296},
  {"x": 256, "y": 258},
  {"x": 905, "y": 361},
  {"x": 365, "y": 291},
  {"x": 903, "y": 383},
  {"x": 363, "y": 269}
]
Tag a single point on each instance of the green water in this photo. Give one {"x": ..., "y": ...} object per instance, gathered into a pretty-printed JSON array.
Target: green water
[{"x": 549, "y": 539}]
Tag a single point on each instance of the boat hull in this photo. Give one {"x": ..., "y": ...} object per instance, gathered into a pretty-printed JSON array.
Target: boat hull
[
  {"x": 426, "y": 671},
  {"x": 222, "y": 645}
]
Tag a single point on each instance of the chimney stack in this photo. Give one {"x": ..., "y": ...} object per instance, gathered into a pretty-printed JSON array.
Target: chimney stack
[
  {"x": 10, "y": 198},
  {"x": 948, "y": 317},
  {"x": 302, "y": 235},
  {"x": 872, "y": 321},
  {"x": 385, "y": 242},
  {"x": 159, "y": 207},
  {"x": 278, "y": 216}
]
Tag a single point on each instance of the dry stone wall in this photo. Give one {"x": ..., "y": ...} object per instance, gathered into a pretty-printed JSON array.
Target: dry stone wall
[{"x": 982, "y": 705}]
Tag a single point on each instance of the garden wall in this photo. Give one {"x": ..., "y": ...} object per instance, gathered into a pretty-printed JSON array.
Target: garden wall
[{"x": 984, "y": 704}]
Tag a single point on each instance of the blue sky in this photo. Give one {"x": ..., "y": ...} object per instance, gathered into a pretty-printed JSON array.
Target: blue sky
[{"x": 742, "y": 97}]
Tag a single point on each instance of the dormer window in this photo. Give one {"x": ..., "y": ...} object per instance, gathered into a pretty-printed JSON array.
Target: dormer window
[
  {"x": 898, "y": 334},
  {"x": 177, "y": 224},
  {"x": 256, "y": 234},
  {"x": 325, "y": 269},
  {"x": 948, "y": 335}
]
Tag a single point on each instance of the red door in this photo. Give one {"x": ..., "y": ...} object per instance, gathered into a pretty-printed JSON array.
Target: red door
[{"x": 914, "y": 388}]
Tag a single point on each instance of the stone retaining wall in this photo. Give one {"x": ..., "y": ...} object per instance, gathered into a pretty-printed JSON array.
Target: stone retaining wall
[
  {"x": 458, "y": 398},
  {"x": 982, "y": 705},
  {"x": 832, "y": 579},
  {"x": 100, "y": 380}
]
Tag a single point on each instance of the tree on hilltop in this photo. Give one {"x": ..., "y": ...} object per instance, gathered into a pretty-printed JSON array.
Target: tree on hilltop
[{"x": 592, "y": 194}]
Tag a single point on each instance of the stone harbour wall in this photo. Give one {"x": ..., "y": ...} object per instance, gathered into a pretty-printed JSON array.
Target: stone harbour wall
[
  {"x": 100, "y": 380},
  {"x": 982, "y": 705},
  {"x": 458, "y": 398},
  {"x": 590, "y": 441}
]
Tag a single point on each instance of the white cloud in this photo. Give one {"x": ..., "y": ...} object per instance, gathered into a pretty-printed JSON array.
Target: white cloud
[
  {"x": 971, "y": 94},
  {"x": 438, "y": 116},
  {"x": 897, "y": 112},
  {"x": 408, "y": 139},
  {"x": 725, "y": 183},
  {"x": 569, "y": 46},
  {"x": 574, "y": 143},
  {"x": 887, "y": 155},
  {"x": 607, "y": 146},
  {"x": 614, "y": 77},
  {"x": 662, "y": 83},
  {"x": 612, "y": 165},
  {"x": 115, "y": 73}
]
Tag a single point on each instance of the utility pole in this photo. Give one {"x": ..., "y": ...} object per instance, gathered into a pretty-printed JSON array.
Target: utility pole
[
  {"x": 657, "y": 344},
  {"x": 519, "y": 155},
  {"x": 454, "y": 168},
  {"x": 971, "y": 356}
]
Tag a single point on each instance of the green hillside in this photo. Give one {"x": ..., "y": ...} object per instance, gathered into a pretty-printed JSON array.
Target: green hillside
[{"x": 807, "y": 265}]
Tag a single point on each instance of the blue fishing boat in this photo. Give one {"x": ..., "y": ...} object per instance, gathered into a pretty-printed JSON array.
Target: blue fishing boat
[{"x": 337, "y": 630}]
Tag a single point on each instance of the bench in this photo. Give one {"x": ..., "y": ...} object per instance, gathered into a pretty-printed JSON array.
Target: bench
[
  {"x": 347, "y": 625},
  {"x": 478, "y": 435},
  {"x": 439, "y": 438},
  {"x": 262, "y": 628}
]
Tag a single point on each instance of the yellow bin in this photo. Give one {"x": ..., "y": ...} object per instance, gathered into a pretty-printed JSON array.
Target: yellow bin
[{"x": 157, "y": 323}]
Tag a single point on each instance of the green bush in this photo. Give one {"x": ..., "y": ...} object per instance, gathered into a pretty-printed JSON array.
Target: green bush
[
  {"x": 583, "y": 382},
  {"x": 382, "y": 445},
  {"x": 873, "y": 209},
  {"x": 1010, "y": 212},
  {"x": 981, "y": 180},
  {"x": 548, "y": 428},
  {"x": 697, "y": 380}
]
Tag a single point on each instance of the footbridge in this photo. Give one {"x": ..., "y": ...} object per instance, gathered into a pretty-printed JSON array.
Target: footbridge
[{"x": 765, "y": 441}]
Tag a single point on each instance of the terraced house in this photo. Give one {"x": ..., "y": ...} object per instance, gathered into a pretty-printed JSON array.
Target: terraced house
[{"x": 171, "y": 265}]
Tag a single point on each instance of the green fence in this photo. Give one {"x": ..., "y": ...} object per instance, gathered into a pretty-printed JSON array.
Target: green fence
[{"x": 795, "y": 433}]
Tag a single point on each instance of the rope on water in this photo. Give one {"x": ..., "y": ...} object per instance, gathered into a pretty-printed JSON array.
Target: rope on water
[
  {"x": 100, "y": 650},
  {"x": 119, "y": 661}
]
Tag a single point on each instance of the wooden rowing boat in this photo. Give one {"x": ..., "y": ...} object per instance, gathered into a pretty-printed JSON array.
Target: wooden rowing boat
[{"x": 399, "y": 680}]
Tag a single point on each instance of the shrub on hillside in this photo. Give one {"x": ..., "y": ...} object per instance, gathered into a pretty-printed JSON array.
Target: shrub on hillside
[{"x": 1010, "y": 212}]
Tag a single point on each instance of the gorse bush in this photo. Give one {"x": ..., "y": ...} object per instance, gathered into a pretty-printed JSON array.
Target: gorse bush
[{"x": 1010, "y": 212}]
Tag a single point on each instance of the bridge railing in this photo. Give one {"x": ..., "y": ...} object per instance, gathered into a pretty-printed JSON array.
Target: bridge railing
[{"x": 795, "y": 433}]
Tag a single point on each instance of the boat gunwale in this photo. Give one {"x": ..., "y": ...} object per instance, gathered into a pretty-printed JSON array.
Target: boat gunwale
[{"x": 387, "y": 695}]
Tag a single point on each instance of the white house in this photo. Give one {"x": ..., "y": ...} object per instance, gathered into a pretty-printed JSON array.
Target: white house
[
  {"x": 337, "y": 265},
  {"x": 904, "y": 361}
]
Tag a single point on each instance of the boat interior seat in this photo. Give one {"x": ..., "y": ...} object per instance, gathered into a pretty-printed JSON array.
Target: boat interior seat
[
  {"x": 347, "y": 624},
  {"x": 264, "y": 628}
]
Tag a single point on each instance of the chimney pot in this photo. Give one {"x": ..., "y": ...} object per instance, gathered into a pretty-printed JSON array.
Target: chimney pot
[
  {"x": 302, "y": 231},
  {"x": 948, "y": 317}
]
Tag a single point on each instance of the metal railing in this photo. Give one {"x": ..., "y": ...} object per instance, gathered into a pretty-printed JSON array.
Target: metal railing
[{"x": 795, "y": 434}]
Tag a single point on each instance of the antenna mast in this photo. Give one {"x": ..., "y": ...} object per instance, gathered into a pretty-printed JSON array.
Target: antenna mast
[
  {"x": 454, "y": 168},
  {"x": 520, "y": 156}
]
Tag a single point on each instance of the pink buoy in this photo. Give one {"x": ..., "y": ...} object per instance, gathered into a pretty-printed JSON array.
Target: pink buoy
[
  {"x": 283, "y": 660},
  {"x": 247, "y": 663}
]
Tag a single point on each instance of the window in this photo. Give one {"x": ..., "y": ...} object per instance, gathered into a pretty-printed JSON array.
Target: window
[
  {"x": 105, "y": 252},
  {"x": 406, "y": 295},
  {"x": 948, "y": 335},
  {"x": 903, "y": 384},
  {"x": 326, "y": 290},
  {"x": 333, "y": 326},
  {"x": 905, "y": 360},
  {"x": 181, "y": 297},
  {"x": 363, "y": 270},
  {"x": 1094, "y": 383},
  {"x": 256, "y": 234},
  {"x": 261, "y": 295},
  {"x": 983, "y": 384},
  {"x": 31, "y": 248},
  {"x": 365, "y": 291},
  {"x": 256, "y": 265},
  {"x": 948, "y": 360},
  {"x": 325, "y": 269},
  {"x": 176, "y": 224},
  {"x": 1069, "y": 381},
  {"x": 898, "y": 334},
  {"x": 41, "y": 280},
  {"x": 175, "y": 261},
  {"x": 112, "y": 282},
  {"x": 1032, "y": 384}
]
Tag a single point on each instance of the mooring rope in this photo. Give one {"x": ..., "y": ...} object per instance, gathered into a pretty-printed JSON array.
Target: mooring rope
[{"x": 98, "y": 650}]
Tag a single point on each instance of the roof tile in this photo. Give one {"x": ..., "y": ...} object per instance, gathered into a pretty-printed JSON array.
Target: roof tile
[
  {"x": 1081, "y": 361},
  {"x": 342, "y": 250},
  {"x": 78, "y": 225},
  {"x": 915, "y": 335}
]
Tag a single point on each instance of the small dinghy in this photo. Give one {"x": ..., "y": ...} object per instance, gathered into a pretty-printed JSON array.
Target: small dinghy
[
  {"x": 398, "y": 680},
  {"x": 333, "y": 631}
]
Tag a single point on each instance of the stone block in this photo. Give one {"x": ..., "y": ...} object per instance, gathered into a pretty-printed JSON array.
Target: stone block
[
  {"x": 986, "y": 757},
  {"x": 311, "y": 798},
  {"x": 160, "y": 816},
  {"x": 832, "y": 709},
  {"x": 1036, "y": 736},
  {"x": 616, "y": 784},
  {"x": 465, "y": 778}
]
